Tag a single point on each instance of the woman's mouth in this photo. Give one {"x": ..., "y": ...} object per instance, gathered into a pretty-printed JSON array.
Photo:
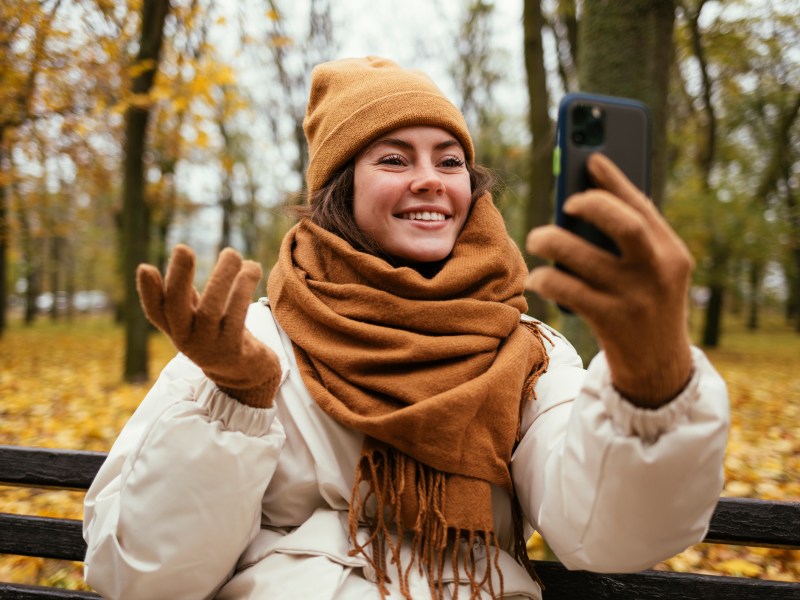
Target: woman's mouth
[{"x": 423, "y": 216}]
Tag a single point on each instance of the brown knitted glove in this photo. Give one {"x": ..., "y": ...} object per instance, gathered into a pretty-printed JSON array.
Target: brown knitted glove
[
  {"x": 635, "y": 303},
  {"x": 209, "y": 329}
]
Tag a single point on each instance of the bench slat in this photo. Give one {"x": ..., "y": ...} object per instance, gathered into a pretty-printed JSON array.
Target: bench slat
[
  {"x": 753, "y": 522},
  {"x": 41, "y": 536},
  {"x": 15, "y": 591},
  {"x": 46, "y": 467},
  {"x": 562, "y": 584}
]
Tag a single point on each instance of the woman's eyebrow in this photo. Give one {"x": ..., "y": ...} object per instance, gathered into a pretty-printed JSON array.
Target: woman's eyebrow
[{"x": 405, "y": 145}]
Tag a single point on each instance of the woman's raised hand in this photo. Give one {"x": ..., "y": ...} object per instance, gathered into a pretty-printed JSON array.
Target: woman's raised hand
[
  {"x": 209, "y": 328},
  {"x": 636, "y": 303}
]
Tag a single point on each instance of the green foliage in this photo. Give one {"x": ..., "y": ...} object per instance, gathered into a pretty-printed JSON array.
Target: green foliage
[{"x": 730, "y": 188}]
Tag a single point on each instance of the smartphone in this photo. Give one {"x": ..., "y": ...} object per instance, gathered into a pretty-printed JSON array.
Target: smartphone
[{"x": 617, "y": 127}]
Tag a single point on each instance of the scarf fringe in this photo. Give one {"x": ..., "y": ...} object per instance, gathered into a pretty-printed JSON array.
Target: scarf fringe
[
  {"x": 383, "y": 470},
  {"x": 528, "y": 388}
]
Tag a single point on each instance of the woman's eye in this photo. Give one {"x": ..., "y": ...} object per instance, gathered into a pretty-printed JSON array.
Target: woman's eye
[
  {"x": 393, "y": 160},
  {"x": 452, "y": 162}
]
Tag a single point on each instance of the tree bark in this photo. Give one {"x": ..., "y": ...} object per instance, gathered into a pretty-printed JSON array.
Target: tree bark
[
  {"x": 228, "y": 209},
  {"x": 4, "y": 233},
  {"x": 31, "y": 262},
  {"x": 625, "y": 49},
  {"x": 249, "y": 216},
  {"x": 712, "y": 327},
  {"x": 540, "y": 173},
  {"x": 796, "y": 290},
  {"x": 753, "y": 300},
  {"x": 226, "y": 202},
  {"x": 135, "y": 212},
  {"x": 793, "y": 302},
  {"x": 54, "y": 273}
]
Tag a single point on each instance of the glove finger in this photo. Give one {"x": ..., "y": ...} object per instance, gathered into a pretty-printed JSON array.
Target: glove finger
[
  {"x": 241, "y": 295},
  {"x": 215, "y": 295},
  {"x": 608, "y": 176},
  {"x": 151, "y": 295},
  {"x": 618, "y": 220},
  {"x": 569, "y": 291},
  {"x": 582, "y": 258},
  {"x": 179, "y": 291}
]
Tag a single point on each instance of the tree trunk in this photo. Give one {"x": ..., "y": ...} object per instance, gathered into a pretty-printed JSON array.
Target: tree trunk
[
  {"x": 228, "y": 209},
  {"x": 793, "y": 303},
  {"x": 53, "y": 272},
  {"x": 3, "y": 258},
  {"x": 68, "y": 274},
  {"x": 31, "y": 263},
  {"x": 135, "y": 229},
  {"x": 796, "y": 294},
  {"x": 31, "y": 291},
  {"x": 717, "y": 269},
  {"x": 540, "y": 173},
  {"x": 753, "y": 300},
  {"x": 249, "y": 218},
  {"x": 135, "y": 212},
  {"x": 712, "y": 327},
  {"x": 625, "y": 49},
  {"x": 4, "y": 234},
  {"x": 164, "y": 222}
]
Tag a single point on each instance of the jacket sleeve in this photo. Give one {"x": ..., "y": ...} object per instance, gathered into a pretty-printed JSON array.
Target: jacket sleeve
[
  {"x": 612, "y": 487},
  {"x": 179, "y": 497}
]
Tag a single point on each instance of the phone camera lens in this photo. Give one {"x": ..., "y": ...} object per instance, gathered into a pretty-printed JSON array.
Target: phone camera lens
[{"x": 578, "y": 137}]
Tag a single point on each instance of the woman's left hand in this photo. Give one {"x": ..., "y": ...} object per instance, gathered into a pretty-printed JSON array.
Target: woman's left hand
[{"x": 636, "y": 303}]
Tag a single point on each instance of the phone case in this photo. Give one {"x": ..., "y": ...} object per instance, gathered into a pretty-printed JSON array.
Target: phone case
[{"x": 625, "y": 140}]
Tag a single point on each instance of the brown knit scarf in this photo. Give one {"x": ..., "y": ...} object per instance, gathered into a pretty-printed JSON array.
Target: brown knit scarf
[{"x": 434, "y": 371}]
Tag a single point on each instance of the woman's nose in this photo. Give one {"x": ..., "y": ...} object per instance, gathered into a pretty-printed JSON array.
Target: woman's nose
[{"x": 427, "y": 179}]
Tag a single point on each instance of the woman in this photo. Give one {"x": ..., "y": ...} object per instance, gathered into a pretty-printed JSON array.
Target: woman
[{"x": 389, "y": 422}]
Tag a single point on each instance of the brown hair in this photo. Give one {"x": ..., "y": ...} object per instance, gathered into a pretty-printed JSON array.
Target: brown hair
[{"x": 331, "y": 207}]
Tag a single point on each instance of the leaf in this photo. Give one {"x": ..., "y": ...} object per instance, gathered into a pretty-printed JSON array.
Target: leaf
[{"x": 739, "y": 568}]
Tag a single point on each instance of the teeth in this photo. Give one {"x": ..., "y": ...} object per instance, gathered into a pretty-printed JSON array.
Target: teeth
[{"x": 424, "y": 216}]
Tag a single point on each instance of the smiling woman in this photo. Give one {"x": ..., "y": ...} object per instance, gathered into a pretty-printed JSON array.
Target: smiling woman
[{"x": 389, "y": 423}]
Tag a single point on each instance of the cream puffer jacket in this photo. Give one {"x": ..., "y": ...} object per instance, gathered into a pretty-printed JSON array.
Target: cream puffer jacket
[{"x": 203, "y": 497}]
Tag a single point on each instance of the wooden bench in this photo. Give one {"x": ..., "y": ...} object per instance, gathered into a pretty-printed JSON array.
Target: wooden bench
[{"x": 736, "y": 521}]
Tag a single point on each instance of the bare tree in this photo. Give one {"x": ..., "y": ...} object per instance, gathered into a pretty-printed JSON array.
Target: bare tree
[{"x": 542, "y": 128}]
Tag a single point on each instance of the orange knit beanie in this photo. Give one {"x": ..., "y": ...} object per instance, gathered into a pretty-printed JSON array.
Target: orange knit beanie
[{"x": 355, "y": 100}]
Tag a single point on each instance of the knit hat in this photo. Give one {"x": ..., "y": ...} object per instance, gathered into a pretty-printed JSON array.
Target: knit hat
[{"x": 355, "y": 100}]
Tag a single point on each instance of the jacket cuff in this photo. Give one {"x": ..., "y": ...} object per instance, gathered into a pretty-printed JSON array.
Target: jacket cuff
[
  {"x": 644, "y": 423},
  {"x": 232, "y": 414}
]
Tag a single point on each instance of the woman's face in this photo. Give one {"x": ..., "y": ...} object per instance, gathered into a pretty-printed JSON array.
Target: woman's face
[{"x": 412, "y": 193}]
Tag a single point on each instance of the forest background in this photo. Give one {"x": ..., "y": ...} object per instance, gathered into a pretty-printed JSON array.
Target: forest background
[{"x": 126, "y": 127}]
